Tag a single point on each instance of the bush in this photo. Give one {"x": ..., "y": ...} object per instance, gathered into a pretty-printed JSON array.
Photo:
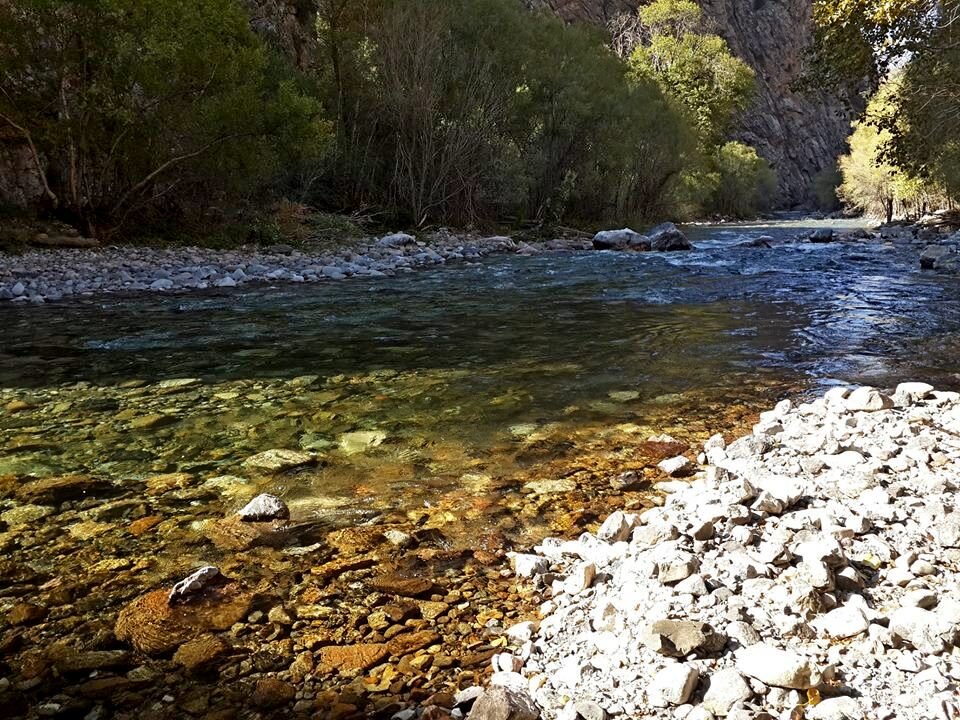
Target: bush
[
  {"x": 148, "y": 106},
  {"x": 745, "y": 182}
]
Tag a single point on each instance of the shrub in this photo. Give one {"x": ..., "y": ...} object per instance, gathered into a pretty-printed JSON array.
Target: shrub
[
  {"x": 147, "y": 106},
  {"x": 745, "y": 181}
]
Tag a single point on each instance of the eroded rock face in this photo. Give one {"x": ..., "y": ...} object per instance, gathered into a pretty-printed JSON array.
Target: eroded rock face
[{"x": 799, "y": 134}]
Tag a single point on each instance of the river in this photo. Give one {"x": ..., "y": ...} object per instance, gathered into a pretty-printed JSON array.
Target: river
[{"x": 490, "y": 399}]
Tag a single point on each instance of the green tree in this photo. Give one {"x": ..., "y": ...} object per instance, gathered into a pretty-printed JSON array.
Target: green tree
[
  {"x": 143, "y": 105},
  {"x": 870, "y": 183},
  {"x": 923, "y": 116},
  {"x": 745, "y": 181},
  {"x": 858, "y": 42},
  {"x": 694, "y": 67}
]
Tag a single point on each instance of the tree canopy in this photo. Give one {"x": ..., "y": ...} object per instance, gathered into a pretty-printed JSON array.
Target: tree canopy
[{"x": 913, "y": 126}]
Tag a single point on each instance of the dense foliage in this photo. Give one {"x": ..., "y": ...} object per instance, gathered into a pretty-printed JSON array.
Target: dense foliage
[
  {"x": 480, "y": 109},
  {"x": 697, "y": 72},
  {"x": 415, "y": 111},
  {"x": 147, "y": 105},
  {"x": 912, "y": 129}
]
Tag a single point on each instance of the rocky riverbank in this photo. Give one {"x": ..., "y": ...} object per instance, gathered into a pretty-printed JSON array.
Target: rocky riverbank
[
  {"x": 48, "y": 275},
  {"x": 386, "y": 591},
  {"x": 809, "y": 570}
]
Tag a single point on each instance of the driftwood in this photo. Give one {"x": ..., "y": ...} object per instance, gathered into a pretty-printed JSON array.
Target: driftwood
[{"x": 65, "y": 241}]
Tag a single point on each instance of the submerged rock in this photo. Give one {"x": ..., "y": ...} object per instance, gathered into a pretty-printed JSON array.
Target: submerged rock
[
  {"x": 264, "y": 507},
  {"x": 61, "y": 488},
  {"x": 278, "y": 460},
  {"x": 153, "y": 626}
]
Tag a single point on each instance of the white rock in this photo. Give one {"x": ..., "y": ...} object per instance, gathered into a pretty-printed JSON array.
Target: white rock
[
  {"x": 779, "y": 668},
  {"x": 727, "y": 688},
  {"x": 506, "y": 662},
  {"x": 579, "y": 578},
  {"x": 867, "y": 399},
  {"x": 672, "y": 686},
  {"x": 676, "y": 568},
  {"x": 924, "y": 629},
  {"x": 194, "y": 583},
  {"x": 837, "y": 708},
  {"x": 264, "y": 507},
  {"x": 526, "y": 565},
  {"x": 676, "y": 466},
  {"x": 617, "y": 527},
  {"x": 947, "y": 530},
  {"x": 522, "y": 631},
  {"x": 844, "y": 622},
  {"x": 909, "y": 393}
]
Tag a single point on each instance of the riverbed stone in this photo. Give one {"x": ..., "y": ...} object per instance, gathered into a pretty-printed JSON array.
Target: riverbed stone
[
  {"x": 680, "y": 638},
  {"x": 727, "y": 689},
  {"x": 278, "y": 460},
  {"x": 778, "y": 668},
  {"x": 673, "y": 685},
  {"x": 153, "y": 626},
  {"x": 624, "y": 239},
  {"x": 867, "y": 399},
  {"x": 61, "y": 488},
  {"x": 678, "y": 466},
  {"x": 926, "y": 630},
  {"x": 667, "y": 237},
  {"x": 500, "y": 703},
  {"x": 401, "y": 585},
  {"x": 201, "y": 653},
  {"x": 264, "y": 507},
  {"x": 350, "y": 657}
]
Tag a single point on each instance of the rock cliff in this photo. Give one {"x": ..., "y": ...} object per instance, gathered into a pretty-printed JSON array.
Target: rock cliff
[{"x": 798, "y": 133}]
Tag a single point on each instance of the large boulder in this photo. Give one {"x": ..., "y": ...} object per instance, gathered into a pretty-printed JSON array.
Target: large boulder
[
  {"x": 667, "y": 237},
  {"x": 624, "y": 239}
]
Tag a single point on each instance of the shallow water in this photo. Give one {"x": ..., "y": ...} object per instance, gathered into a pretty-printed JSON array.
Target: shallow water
[
  {"x": 460, "y": 369},
  {"x": 471, "y": 408}
]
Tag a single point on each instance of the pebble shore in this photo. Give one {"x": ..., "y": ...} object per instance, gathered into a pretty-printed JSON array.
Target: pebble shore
[
  {"x": 49, "y": 275},
  {"x": 808, "y": 570}
]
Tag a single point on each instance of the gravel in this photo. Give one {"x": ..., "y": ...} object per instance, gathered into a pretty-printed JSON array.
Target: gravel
[
  {"x": 54, "y": 274},
  {"x": 808, "y": 570}
]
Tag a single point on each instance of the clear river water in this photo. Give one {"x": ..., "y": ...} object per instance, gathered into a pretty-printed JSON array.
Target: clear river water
[
  {"x": 466, "y": 409},
  {"x": 409, "y": 384}
]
